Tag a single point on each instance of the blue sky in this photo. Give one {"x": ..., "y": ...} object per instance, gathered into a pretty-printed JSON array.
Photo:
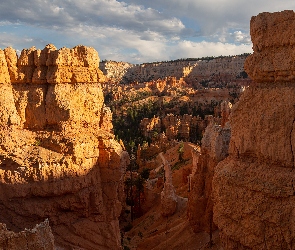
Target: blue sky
[{"x": 135, "y": 31}]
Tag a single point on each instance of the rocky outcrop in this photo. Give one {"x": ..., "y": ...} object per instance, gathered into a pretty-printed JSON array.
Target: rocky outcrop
[
  {"x": 225, "y": 108},
  {"x": 40, "y": 237},
  {"x": 115, "y": 71},
  {"x": 183, "y": 127},
  {"x": 217, "y": 72},
  {"x": 59, "y": 159},
  {"x": 168, "y": 195},
  {"x": 254, "y": 186},
  {"x": 273, "y": 41},
  {"x": 214, "y": 148}
]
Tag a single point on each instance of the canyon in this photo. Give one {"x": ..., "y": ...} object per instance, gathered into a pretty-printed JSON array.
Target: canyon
[
  {"x": 211, "y": 71},
  {"x": 185, "y": 154}
]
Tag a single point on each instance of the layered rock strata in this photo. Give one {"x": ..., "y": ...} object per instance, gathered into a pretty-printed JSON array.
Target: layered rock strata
[
  {"x": 254, "y": 186},
  {"x": 212, "y": 71},
  {"x": 59, "y": 159},
  {"x": 40, "y": 237},
  {"x": 214, "y": 148}
]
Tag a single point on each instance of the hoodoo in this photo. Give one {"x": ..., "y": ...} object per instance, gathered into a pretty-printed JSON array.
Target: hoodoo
[
  {"x": 254, "y": 186},
  {"x": 59, "y": 159}
]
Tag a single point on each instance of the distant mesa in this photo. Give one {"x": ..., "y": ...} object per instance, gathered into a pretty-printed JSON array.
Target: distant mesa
[{"x": 197, "y": 72}]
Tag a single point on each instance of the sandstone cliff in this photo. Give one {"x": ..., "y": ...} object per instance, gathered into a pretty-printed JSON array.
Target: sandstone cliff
[
  {"x": 59, "y": 159},
  {"x": 40, "y": 237},
  {"x": 254, "y": 187},
  {"x": 217, "y": 72},
  {"x": 214, "y": 148}
]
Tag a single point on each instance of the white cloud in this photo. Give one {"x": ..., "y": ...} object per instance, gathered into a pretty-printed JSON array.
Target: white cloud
[
  {"x": 188, "y": 49},
  {"x": 65, "y": 14},
  {"x": 241, "y": 37},
  {"x": 135, "y": 30}
]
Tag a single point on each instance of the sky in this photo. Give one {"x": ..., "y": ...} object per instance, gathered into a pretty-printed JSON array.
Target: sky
[{"x": 135, "y": 31}]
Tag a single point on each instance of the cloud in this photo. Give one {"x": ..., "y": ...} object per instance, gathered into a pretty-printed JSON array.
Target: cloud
[
  {"x": 214, "y": 15},
  {"x": 135, "y": 30},
  {"x": 17, "y": 42},
  {"x": 71, "y": 13},
  {"x": 241, "y": 37},
  {"x": 188, "y": 49}
]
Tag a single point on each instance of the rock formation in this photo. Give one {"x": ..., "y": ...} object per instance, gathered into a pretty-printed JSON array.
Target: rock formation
[
  {"x": 225, "y": 107},
  {"x": 175, "y": 127},
  {"x": 59, "y": 159},
  {"x": 168, "y": 195},
  {"x": 214, "y": 148},
  {"x": 40, "y": 237},
  {"x": 115, "y": 71},
  {"x": 216, "y": 72},
  {"x": 254, "y": 186}
]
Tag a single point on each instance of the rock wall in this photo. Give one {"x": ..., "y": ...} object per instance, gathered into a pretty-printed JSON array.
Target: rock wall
[
  {"x": 168, "y": 195},
  {"x": 40, "y": 237},
  {"x": 216, "y": 71},
  {"x": 254, "y": 187},
  {"x": 59, "y": 159},
  {"x": 115, "y": 71},
  {"x": 214, "y": 148}
]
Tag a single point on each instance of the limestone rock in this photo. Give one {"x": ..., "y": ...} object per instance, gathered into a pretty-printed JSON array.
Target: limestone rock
[
  {"x": 168, "y": 195},
  {"x": 40, "y": 60},
  {"x": 40, "y": 237},
  {"x": 214, "y": 71},
  {"x": 225, "y": 112},
  {"x": 72, "y": 105},
  {"x": 26, "y": 66},
  {"x": 8, "y": 111},
  {"x": 175, "y": 127},
  {"x": 150, "y": 126},
  {"x": 4, "y": 73},
  {"x": 11, "y": 59},
  {"x": 106, "y": 120},
  {"x": 273, "y": 39},
  {"x": 76, "y": 65},
  {"x": 214, "y": 149},
  {"x": 58, "y": 157},
  {"x": 215, "y": 141},
  {"x": 253, "y": 187}
]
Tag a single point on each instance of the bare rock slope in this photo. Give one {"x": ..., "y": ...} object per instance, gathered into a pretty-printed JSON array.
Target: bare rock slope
[
  {"x": 254, "y": 187},
  {"x": 59, "y": 159}
]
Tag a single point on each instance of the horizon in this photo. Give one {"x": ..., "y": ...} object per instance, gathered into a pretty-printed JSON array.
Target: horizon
[
  {"x": 135, "y": 31},
  {"x": 208, "y": 58}
]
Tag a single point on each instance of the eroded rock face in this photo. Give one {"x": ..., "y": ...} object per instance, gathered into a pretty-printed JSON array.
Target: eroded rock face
[
  {"x": 175, "y": 127},
  {"x": 214, "y": 71},
  {"x": 254, "y": 187},
  {"x": 273, "y": 40},
  {"x": 168, "y": 195},
  {"x": 214, "y": 149},
  {"x": 59, "y": 159},
  {"x": 40, "y": 237}
]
